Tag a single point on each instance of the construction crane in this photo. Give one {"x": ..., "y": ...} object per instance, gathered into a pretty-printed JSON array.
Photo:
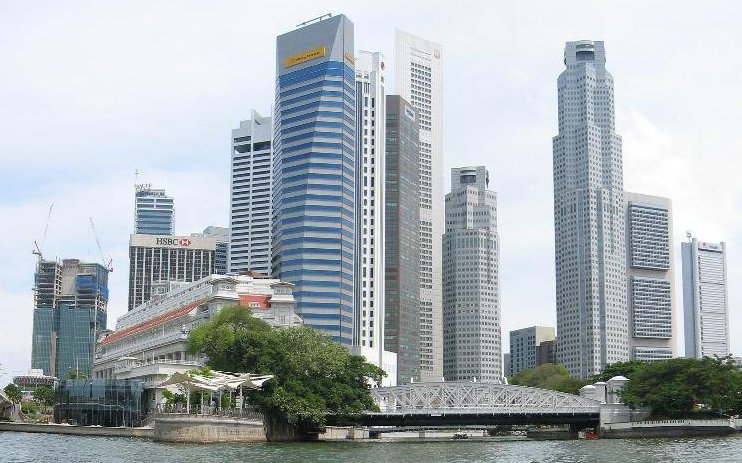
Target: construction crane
[
  {"x": 37, "y": 248},
  {"x": 109, "y": 265}
]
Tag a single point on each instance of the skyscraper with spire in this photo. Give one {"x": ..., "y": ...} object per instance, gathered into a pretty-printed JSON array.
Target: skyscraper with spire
[{"x": 589, "y": 217}]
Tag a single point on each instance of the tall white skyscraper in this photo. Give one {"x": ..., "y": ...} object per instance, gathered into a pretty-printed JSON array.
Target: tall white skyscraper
[
  {"x": 589, "y": 217},
  {"x": 472, "y": 345},
  {"x": 419, "y": 80},
  {"x": 370, "y": 200},
  {"x": 251, "y": 195},
  {"x": 650, "y": 276},
  {"x": 705, "y": 299}
]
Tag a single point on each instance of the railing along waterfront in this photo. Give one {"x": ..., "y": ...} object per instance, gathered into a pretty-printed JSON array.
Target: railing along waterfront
[{"x": 249, "y": 413}]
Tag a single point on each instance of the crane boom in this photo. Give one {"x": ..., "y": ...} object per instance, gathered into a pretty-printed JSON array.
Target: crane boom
[
  {"x": 38, "y": 247},
  {"x": 108, "y": 266}
]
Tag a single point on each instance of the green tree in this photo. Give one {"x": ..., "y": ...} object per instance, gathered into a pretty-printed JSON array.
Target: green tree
[
  {"x": 548, "y": 376},
  {"x": 13, "y": 392},
  {"x": 626, "y": 369},
  {"x": 313, "y": 375},
  {"x": 44, "y": 396},
  {"x": 679, "y": 386}
]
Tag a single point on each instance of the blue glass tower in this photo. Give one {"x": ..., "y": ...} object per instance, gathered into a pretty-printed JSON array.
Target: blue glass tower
[
  {"x": 154, "y": 211},
  {"x": 314, "y": 173}
]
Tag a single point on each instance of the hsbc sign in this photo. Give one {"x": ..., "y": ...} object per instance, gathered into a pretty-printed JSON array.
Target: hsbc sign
[
  {"x": 189, "y": 243},
  {"x": 182, "y": 242}
]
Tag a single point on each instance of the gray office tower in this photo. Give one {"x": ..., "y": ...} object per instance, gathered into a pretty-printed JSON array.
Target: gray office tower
[
  {"x": 70, "y": 300},
  {"x": 221, "y": 252},
  {"x": 154, "y": 211},
  {"x": 251, "y": 195},
  {"x": 589, "y": 217},
  {"x": 471, "y": 284},
  {"x": 529, "y": 348},
  {"x": 314, "y": 187},
  {"x": 705, "y": 299},
  {"x": 402, "y": 238},
  {"x": 650, "y": 276}
]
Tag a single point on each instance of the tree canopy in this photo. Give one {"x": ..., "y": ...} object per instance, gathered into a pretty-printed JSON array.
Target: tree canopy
[
  {"x": 679, "y": 386},
  {"x": 13, "y": 392},
  {"x": 313, "y": 375},
  {"x": 626, "y": 369},
  {"x": 548, "y": 376}
]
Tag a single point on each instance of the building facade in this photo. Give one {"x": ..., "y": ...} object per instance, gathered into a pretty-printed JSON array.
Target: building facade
[
  {"x": 472, "y": 346},
  {"x": 530, "y": 347},
  {"x": 705, "y": 299},
  {"x": 155, "y": 261},
  {"x": 419, "y": 80},
  {"x": 314, "y": 187},
  {"x": 154, "y": 211},
  {"x": 650, "y": 275},
  {"x": 589, "y": 221},
  {"x": 370, "y": 168},
  {"x": 221, "y": 249},
  {"x": 402, "y": 238},
  {"x": 70, "y": 302},
  {"x": 250, "y": 200},
  {"x": 150, "y": 343}
]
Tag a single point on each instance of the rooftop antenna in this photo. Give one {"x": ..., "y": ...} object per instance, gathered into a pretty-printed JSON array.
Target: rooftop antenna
[
  {"x": 689, "y": 235},
  {"x": 317, "y": 19}
]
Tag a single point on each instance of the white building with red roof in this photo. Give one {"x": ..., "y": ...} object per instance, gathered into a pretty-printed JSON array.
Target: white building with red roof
[{"x": 150, "y": 342}]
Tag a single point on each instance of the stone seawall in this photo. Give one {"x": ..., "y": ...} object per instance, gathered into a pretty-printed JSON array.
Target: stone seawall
[
  {"x": 670, "y": 428},
  {"x": 77, "y": 430},
  {"x": 207, "y": 429}
]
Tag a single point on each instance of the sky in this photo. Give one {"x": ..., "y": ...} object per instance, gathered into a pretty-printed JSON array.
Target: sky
[{"x": 91, "y": 92}]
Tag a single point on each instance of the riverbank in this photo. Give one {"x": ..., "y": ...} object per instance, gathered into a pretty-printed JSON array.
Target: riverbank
[
  {"x": 669, "y": 428},
  {"x": 78, "y": 430}
]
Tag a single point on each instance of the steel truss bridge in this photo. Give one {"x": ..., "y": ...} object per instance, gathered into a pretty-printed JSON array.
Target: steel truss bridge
[{"x": 470, "y": 403}]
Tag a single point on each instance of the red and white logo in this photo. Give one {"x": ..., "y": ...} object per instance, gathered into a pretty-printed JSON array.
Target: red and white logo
[{"x": 185, "y": 242}]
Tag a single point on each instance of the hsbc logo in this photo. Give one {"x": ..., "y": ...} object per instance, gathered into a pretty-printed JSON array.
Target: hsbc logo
[{"x": 184, "y": 242}]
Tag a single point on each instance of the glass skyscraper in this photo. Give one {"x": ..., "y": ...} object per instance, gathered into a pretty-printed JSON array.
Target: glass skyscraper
[
  {"x": 314, "y": 189},
  {"x": 589, "y": 217},
  {"x": 154, "y": 211},
  {"x": 69, "y": 315}
]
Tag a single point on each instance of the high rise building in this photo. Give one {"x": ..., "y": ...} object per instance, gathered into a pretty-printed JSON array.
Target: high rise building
[
  {"x": 251, "y": 196},
  {"x": 221, "y": 250},
  {"x": 589, "y": 221},
  {"x": 70, "y": 301},
  {"x": 705, "y": 299},
  {"x": 650, "y": 275},
  {"x": 402, "y": 238},
  {"x": 154, "y": 211},
  {"x": 155, "y": 262},
  {"x": 370, "y": 114},
  {"x": 419, "y": 80},
  {"x": 472, "y": 346},
  {"x": 314, "y": 187},
  {"x": 525, "y": 346}
]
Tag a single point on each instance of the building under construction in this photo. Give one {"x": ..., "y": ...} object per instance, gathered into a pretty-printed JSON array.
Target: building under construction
[{"x": 70, "y": 300}]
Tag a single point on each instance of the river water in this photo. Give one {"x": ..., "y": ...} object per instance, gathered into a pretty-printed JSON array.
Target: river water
[{"x": 24, "y": 447}]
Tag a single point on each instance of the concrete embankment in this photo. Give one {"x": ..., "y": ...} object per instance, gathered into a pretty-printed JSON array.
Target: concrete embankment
[
  {"x": 668, "y": 428},
  {"x": 207, "y": 429},
  {"x": 77, "y": 430}
]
